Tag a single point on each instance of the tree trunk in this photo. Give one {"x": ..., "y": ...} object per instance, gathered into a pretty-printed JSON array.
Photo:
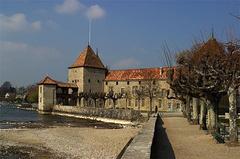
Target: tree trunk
[
  {"x": 104, "y": 103},
  {"x": 150, "y": 105},
  {"x": 184, "y": 109},
  {"x": 195, "y": 110},
  {"x": 188, "y": 112},
  {"x": 202, "y": 120},
  {"x": 211, "y": 118},
  {"x": 138, "y": 104},
  {"x": 95, "y": 103},
  {"x": 114, "y": 104},
  {"x": 126, "y": 102},
  {"x": 232, "y": 97}
]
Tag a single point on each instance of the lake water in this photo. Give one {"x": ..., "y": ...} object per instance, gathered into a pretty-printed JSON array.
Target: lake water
[{"x": 13, "y": 117}]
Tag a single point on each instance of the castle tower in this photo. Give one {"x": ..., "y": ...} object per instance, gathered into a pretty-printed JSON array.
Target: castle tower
[
  {"x": 88, "y": 72},
  {"x": 47, "y": 94}
]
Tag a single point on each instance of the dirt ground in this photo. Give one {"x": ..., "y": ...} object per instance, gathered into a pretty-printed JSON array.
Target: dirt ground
[{"x": 188, "y": 142}]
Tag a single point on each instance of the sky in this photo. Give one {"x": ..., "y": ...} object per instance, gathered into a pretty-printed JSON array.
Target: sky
[{"x": 44, "y": 37}]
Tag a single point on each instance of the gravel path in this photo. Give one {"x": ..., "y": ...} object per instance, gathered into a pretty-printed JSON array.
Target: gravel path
[
  {"x": 73, "y": 142},
  {"x": 188, "y": 142}
]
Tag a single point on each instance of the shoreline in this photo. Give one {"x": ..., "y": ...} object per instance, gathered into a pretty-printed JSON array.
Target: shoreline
[
  {"x": 94, "y": 118},
  {"x": 63, "y": 141}
]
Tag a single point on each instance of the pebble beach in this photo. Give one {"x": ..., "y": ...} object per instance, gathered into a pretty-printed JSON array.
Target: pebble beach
[{"x": 65, "y": 142}]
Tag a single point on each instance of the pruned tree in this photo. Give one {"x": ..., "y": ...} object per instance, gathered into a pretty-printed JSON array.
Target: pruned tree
[
  {"x": 80, "y": 97},
  {"x": 128, "y": 96},
  {"x": 196, "y": 76},
  {"x": 114, "y": 97},
  {"x": 151, "y": 90},
  {"x": 139, "y": 95},
  {"x": 231, "y": 80},
  {"x": 103, "y": 97},
  {"x": 86, "y": 97},
  {"x": 95, "y": 96}
]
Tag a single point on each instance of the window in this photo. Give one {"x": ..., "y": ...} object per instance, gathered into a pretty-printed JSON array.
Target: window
[
  {"x": 143, "y": 102},
  {"x": 110, "y": 88},
  {"x": 40, "y": 99},
  {"x": 122, "y": 90},
  {"x": 154, "y": 82},
  {"x": 163, "y": 92},
  {"x": 116, "y": 83},
  {"x": 136, "y": 102},
  {"x": 178, "y": 105},
  {"x": 72, "y": 81},
  {"x": 98, "y": 81},
  {"x": 41, "y": 89},
  {"x": 106, "y": 83},
  {"x": 139, "y": 82},
  {"x": 169, "y": 106},
  {"x": 128, "y": 82},
  {"x": 89, "y": 80},
  {"x": 134, "y": 88},
  {"x": 160, "y": 103}
]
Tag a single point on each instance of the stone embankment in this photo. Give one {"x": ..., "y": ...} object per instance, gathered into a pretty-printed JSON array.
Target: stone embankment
[
  {"x": 118, "y": 116},
  {"x": 140, "y": 146}
]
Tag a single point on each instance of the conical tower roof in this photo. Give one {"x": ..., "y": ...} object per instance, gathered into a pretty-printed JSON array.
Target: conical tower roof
[
  {"x": 213, "y": 46},
  {"x": 88, "y": 58}
]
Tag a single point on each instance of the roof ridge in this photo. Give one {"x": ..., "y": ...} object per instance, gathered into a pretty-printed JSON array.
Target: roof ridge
[{"x": 145, "y": 68}]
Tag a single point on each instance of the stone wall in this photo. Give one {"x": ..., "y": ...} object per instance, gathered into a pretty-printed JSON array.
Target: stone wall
[
  {"x": 93, "y": 79},
  {"x": 122, "y": 114},
  {"x": 75, "y": 75}
]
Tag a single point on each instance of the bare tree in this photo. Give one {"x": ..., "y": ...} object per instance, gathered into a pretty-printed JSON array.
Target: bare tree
[
  {"x": 151, "y": 90},
  {"x": 128, "y": 96},
  {"x": 114, "y": 97},
  {"x": 139, "y": 95},
  {"x": 103, "y": 97}
]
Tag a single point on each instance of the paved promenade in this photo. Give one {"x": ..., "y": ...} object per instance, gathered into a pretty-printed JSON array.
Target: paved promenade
[
  {"x": 185, "y": 141},
  {"x": 174, "y": 138}
]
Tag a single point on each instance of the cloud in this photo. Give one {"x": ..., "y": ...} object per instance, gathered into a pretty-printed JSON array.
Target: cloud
[
  {"x": 126, "y": 63},
  {"x": 18, "y": 22},
  {"x": 74, "y": 6},
  {"x": 69, "y": 7},
  {"x": 95, "y": 12},
  {"x": 11, "y": 49}
]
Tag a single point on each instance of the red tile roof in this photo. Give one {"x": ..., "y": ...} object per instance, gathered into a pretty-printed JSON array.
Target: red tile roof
[
  {"x": 137, "y": 74},
  {"x": 49, "y": 81},
  {"x": 88, "y": 58}
]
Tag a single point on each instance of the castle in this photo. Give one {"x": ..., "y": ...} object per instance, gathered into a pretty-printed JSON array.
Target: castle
[{"x": 88, "y": 74}]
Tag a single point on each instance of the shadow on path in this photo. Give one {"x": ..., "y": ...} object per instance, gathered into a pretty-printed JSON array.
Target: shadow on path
[{"x": 161, "y": 147}]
